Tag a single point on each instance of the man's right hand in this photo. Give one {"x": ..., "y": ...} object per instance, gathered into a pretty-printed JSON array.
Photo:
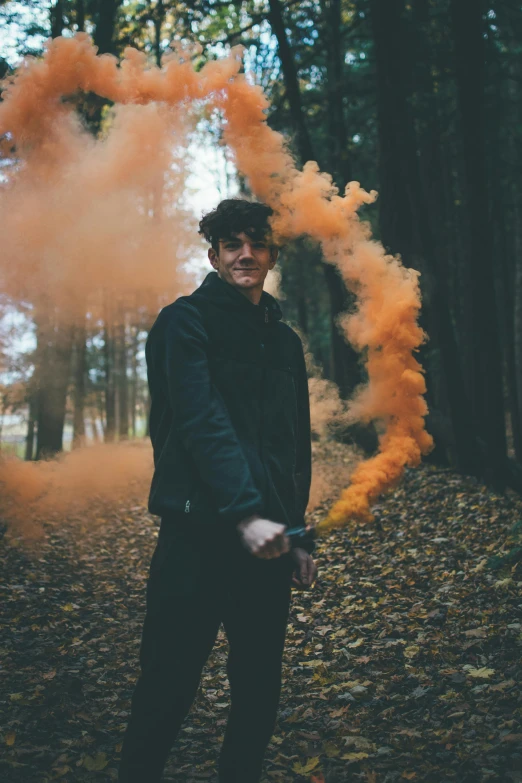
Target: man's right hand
[{"x": 263, "y": 538}]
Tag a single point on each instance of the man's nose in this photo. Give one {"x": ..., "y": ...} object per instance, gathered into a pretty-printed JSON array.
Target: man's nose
[{"x": 246, "y": 250}]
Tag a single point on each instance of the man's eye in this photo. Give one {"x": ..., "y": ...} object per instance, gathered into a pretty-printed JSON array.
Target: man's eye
[{"x": 260, "y": 245}]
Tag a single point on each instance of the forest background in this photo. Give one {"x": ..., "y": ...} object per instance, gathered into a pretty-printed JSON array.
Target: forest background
[{"x": 419, "y": 100}]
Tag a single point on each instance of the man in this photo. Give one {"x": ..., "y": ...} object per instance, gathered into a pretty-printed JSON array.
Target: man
[{"x": 230, "y": 428}]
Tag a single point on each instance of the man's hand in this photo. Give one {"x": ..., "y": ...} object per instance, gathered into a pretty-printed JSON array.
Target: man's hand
[
  {"x": 263, "y": 538},
  {"x": 305, "y": 571}
]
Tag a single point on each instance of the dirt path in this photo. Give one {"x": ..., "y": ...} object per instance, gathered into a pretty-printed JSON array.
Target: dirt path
[{"x": 403, "y": 664}]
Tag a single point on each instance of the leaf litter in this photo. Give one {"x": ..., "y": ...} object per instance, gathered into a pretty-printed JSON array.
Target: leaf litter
[{"x": 403, "y": 663}]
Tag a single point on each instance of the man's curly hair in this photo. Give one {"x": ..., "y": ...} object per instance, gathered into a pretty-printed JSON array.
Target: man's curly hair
[{"x": 233, "y": 216}]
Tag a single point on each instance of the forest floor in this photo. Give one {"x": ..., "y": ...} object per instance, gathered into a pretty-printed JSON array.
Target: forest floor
[{"x": 403, "y": 663}]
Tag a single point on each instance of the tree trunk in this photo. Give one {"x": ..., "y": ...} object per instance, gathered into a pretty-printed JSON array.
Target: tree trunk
[
  {"x": 147, "y": 405},
  {"x": 507, "y": 200},
  {"x": 517, "y": 318},
  {"x": 158, "y": 17},
  {"x": 293, "y": 92},
  {"x": 102, "y": 413},
  {"x": 53, "y": 359},
  {"x": 57, "y": 23},
  {"x": 105, "y": 26},
  {"x": 134, "y": 378},
  {"x": 31, "y": 419},
  {"x": 404, "y": 215},
  {"x": 345, "y": 360},
  {"x": 339, "y": 159},
  {"x": 500, "y": 157},
  {"x": 110, "y": 386},
  {"x": 80, "y": 373},
  {"x": 487, "y": 400},
  {"x": 123, "y": 387},
  {"x": 80, "y": 15},
  {"x": 3, "y": 406},
  {"x": 507, "y": 321},
  {"x": 103, "y": 35},
  {"x": 300, "y": 294},
  {"x": 346, "y": 370}
]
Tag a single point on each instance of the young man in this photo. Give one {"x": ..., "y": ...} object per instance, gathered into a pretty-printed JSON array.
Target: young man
[{"x": 230, "y": 428}]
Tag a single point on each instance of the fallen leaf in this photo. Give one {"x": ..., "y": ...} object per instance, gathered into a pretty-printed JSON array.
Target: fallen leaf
[
  {"x": 331, "y": 750},
  {"x": 512, "y": 738},
  {"x": 354, "y": 756},
  {"x": 304, "y": 769},
  {"x": 501, "y": 686},
  {"x": 480, "y": 673},
  {"x": 95, "y": 763},
  {"x": 478, "y": 633}
]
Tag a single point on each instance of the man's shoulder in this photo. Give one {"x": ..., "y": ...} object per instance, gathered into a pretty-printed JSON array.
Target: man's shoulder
[
  {"x": 181, "y": 307},
  {"x": 292, "y": 335},
  {"x": 181, "y": 311}
]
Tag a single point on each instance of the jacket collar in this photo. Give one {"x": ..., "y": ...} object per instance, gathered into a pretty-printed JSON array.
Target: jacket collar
[{"x": 216, "y": 290}]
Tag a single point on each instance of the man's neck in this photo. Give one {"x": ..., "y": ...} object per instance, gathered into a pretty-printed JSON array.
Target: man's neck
[{"x": 252, "y": 294}]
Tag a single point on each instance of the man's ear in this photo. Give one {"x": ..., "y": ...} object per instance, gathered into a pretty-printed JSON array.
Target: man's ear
[
  {"x": 274, "y": 253},
  {"x": 212, "y": 257}
]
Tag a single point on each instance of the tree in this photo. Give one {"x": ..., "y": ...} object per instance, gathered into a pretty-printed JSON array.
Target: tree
[
  {"x": 487, "y": 400},
  {"x": 404, "y": 213}
]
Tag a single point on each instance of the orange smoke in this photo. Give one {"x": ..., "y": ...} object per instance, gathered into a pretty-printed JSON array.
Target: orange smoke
[
  {"x": 385, "y": 323},
  {"x": 122, "y": 248},
  {"x": 110, "y": 474}
]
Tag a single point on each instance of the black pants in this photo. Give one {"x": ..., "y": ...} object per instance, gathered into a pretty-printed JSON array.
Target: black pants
[{"x": 198, "y": 581}]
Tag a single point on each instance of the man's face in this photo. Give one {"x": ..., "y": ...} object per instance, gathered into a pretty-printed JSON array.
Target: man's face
[{"x": 243, "y": 262}]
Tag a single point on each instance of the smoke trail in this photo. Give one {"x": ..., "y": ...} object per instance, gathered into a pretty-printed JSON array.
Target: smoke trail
[
  {"x": 385, "y": 323},
  {"x": 50, "y": 141}
]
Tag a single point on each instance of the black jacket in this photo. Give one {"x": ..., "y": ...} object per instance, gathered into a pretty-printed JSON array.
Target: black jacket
[{"x": 230, "y": 415}]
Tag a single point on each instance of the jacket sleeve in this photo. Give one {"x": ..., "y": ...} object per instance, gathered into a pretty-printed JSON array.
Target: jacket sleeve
[
  {"x": 201, "y": 417},
  {"x": 303, "y": 473}
]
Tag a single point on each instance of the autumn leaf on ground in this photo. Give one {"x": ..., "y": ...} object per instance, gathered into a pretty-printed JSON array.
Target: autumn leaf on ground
[
  {"x": 304, "y": 769},
  {"x": 425, "y": 603},
  {"x": 483, "y": 673},
  {"x": 59, "y": 772},
  {"x": 95, "y": 763},
  {"x": 331, "y": 750},
  {"x": 354, "y": 756},
  {"x": 502, "y": 584}
]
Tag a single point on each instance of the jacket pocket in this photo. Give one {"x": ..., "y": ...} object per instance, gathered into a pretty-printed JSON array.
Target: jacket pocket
[{"x": 176, "y": 565}]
